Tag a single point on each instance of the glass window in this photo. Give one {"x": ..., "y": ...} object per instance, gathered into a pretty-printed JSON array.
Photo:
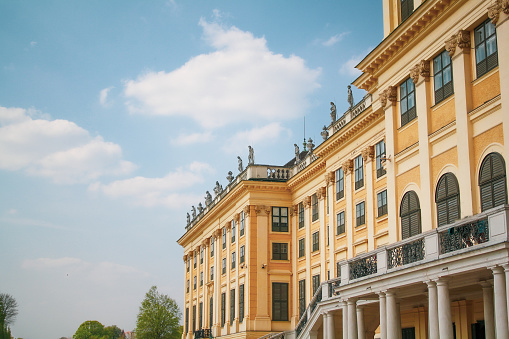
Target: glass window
[
  {"x": 200, "y": 316},
  {"x": 360, "y": 213},
  {"x": 407, "y": 101},
  {"x": 211, "y": 311},
  {"x": 314, "y": 207},
  {"x": 302, "y": 247},
  {"x": 407, "y": 7},
  {"x": 234, "y": 230},
  {"x": 201, "y": 278},
  {"x": 194, "y": 318},
  {"x": 195, "y": 260},
  {"x": 223, "y": 271},
  {"x": 279, "y": 219},
  {"x": 194, "y": 283},
  {"x": 382, "y": 203},
  {"x": 302, "y": 297},
  {"x": 279, "y": 301},
  {"x": 201, "y": 255},
  {"x": 338, "y": 270},
  {"x": 223, "y": 309},
  {"x": 187, "y": 287},
  {"x": 492, "y": 181},
  {"x": 380, "y": 156},
  {"x": 301, "y": 215},
  {"x": 242, "y": 254},
  {"x": 340, "y": 184},
  {"x": 232, "y": 306},
  {"x": 410, "y": 213},
  {"x": 279, "y": 251},
  {"x": 211, "y": 273},
  {"x": 242, "y": 223},
  {"x": 316, "y": 241},
  {"x": 447, "y": 198},
  {"x": 316, "y": 283},
  {"x": 359, "y": 172},
  {"x": 187, "y": 320},
  {"x": 442, "y": 71},
  {"x": 486, "y": 55},
  {"x": 224, "y": 238},
  {"x": 188, "y": 264},
  {"x": 234, "y": 257},
  {"x": 241, "y": 303},
  {"x": 340, "y": 221},
  {"x": 211, "y": 246}
]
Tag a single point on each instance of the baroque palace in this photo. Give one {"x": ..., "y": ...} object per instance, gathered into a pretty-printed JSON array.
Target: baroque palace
[{"x": 396, "y": 225}]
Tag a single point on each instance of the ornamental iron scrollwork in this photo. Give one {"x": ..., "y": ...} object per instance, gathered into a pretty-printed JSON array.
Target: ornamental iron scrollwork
[
  {"x": 363, "y": 267},
  {"x": 405, "y": 254},
  {"x": 203, "y": 333},
  {"x": 333, "y": 284},
  {"x": 302, "y": 323},
  {"x": 464, "y": 236}
]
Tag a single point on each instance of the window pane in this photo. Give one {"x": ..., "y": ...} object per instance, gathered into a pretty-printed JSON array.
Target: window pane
[
  {"x": 447, "y": 75},
  {"x": 491, "y": 45},
  {"x": 437, "y": 65},
  {"x": 480, "y": 53},
  {"x": 403, "y": 90},
  {"x": 446, "y": 59},
  {"x": 490, "y": 28},
  {"x": 438, "y": 81},
  {"x": 404, "y": 107},
  {"x": 411, "y": 101}
]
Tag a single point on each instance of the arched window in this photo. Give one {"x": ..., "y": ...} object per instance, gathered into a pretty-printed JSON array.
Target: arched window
[
  {"x": 492, "y": 181},
  {"x": 410, "y": 213},
  {"x": 447, "y": 198}
]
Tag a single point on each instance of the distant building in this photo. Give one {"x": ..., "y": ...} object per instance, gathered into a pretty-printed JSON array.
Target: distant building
[{"x": 396, "y": 225}]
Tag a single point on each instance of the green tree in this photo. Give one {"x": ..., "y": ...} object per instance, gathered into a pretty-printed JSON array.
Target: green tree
[
  {"x": 112, "y": 332},
  {"x": 159, "y": 317},
  {"x": 90, "y": 329},
  {"x": 8, "y": 309}
]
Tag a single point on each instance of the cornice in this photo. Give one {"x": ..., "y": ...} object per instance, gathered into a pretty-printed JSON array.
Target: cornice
[
  {"x": 317, "y": 167},
  {"x": 396, "y": 42}
]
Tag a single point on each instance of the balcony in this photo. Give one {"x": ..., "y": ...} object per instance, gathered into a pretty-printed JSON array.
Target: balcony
[
  {"x": 204, "y": 333},
  {"x": 434, "y": 251}
]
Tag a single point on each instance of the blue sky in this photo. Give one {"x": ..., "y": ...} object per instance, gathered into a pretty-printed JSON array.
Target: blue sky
[{"x": 117, "y": 116}]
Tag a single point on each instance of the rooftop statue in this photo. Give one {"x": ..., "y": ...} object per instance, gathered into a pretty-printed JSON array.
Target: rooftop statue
[
  {"x": 208, "y": 198},
  {"x": 188, "y": 219},
  {"x": 193, "y": 211},
  {"x": 241, "y": 168},
  {"x": 333, "y": 112},
  {"x": 310, "y": 145},
  {"x": 350, "y": 96},
  {"x": 218, "y": 189},
  {"x": 250, "y": 157},
  {"x": 297, "y": 153},
  {"x": 324, "y": 133},
  {"x": 200, "y": 207},
  {"x": 230, "y": 177}
]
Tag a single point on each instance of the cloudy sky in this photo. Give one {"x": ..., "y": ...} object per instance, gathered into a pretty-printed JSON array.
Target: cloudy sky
[{"x": 117, "y": 116}]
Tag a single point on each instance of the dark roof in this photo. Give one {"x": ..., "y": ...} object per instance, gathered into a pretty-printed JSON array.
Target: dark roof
[{"x": 302, "y": 156}]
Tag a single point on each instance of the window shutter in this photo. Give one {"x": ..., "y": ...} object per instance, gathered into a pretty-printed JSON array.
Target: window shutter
[
  {"x": 442, "y": 213},
  {"x": 405, "y": 227},
  {"x": 499, "y": 192}
]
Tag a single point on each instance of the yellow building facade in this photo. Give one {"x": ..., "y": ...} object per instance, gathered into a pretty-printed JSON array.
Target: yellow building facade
[{"x": 395, "y": 226}]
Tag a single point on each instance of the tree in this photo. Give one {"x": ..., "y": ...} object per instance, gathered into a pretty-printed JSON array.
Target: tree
[
  {"x": 89, "y": 329},
  {"x": 112, "y": 332},
  {"x": 159, "y": 317},
  {"x": 8, "y": 309}
]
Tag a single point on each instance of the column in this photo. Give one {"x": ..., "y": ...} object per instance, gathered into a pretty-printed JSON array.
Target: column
[
  {"x": 217, "y": 284},
  {"x": 462, "y": 78},
  {"x": 420, "y": 77},
  {"x": 489, "y": 320},
  {"x": 368, "y": 155},
  {"x": 501, "y": 21},
  {"x": 500, "y": 297},
  {"x": 330, "y": 178},
  {"x": 325, "y": 324},
  {"x": 392, "y": 314},
  {"x": 352, "y": 318},
  {"x": 398, "y": 319},
  {"x": 383, "y": 316},
  {"x": 344, "y": 311},
  {"x": 262, "y": 319},
  {"x": 247, "y": 285},
  {"x": 294, "y": 257},
  {"x": 444, "y": 309},
  {"x": 330, "y": 326},
  {"x": 320, "y": 194},
  {"x": 506, "y": 270},
  {"x": 206, "y": 277},
  {"x": 347, "y": 170},
  {"x": 433, "y": 332},
  {"x": 360, "y": 323}
]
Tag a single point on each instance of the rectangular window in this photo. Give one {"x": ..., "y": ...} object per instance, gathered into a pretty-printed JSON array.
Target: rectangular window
[
  {"x": 188, "y": 264},
  {"x": 301, "y": 215},
  {"x": 241, "y": 303},
  {"x": 380, "y": 156},
  {"x": 316, "y": 283},
  {"x": 382, "y": 203},
  {"x": 302, "y": 247},
  {"x": 223, "y": 271},
  {"x": 211, "y": 246},
  {"x": 279, "y": 301},
  {"x": 302, "y": 297},
  {"x": 442, "y": 75},
  {"x": 195, "y": 258},
  {"x": 224, "y": 238},
  {"x": 242, "y": 254},
  {"x": 328, "y": 236},
  {"x": 279, "y": 251},
  {"x": 340, "y": 184},
  {"x": 360, "y": 214},
  {"x": 194, "y": 282},
  {"x": 234, "y": 256},
  {"x": 407, "y": 7},
  {"x": 486, "y": 55},
  {"x": 194, "y": 318},
  {"x": 314, "y": 207},
  {"x": 202, "y": 250},
  {"x": 242, "y": 223},
  {"x": 232, "y": 306},
  {"x": 359, "y": 172},
  {"x": 340, "y": 220},
  {"x": 201, "y": 278},
  {"x": 187, "y": 320},
  {"x": 211, "y": 273},
  {"x": 316, "y": 241},
  {"x": 338, "y": 270},
  {"x": 211, "y": 312},
  {"x": 279, "y": 219},
  {"x": 200, "y": 316},
  {"x": 407, "y": 101},
  {"x": 233, "y": 231},
  {"x": 223, "y": 309},
  {"x": 187, "y": 286}
]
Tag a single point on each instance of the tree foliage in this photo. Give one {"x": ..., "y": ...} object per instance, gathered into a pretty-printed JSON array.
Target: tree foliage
[
  {"x": 8, "y": 309},
  {"x": 159, "y": 317},
  {"x": 93, "y": 329}
]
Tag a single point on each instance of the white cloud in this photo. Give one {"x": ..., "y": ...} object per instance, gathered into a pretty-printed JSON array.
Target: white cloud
[
  {"x": 56, "y": 149},
  {"x": 348, "y": 68},
  {"x": 103, "y": 95},
  {"x": 107, "y": 273},
  {"x": 335, "y": 39},
  {"x": 242, "y": 80},
  {"x": 193, "y": 138},
  {"x": 259, "y": 135},
  {"x": 33, "y": 43},
  {"x": 165, "y": 191}
]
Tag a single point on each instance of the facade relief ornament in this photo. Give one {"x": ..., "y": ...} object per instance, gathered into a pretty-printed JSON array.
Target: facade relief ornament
[
  {"x": 307, "y": 201},
  {"x": 348, "y": 166},
  {"x": 247, "y": 210},
  {"x": 262, "y": 210},
  {"x": 392, "y": 95},
  {"x": 424, "y": 69},
  {"x": 294, "y": 210},
  {"x": 463, "y": 40},
  {"x": 383, "y": 98},
  {"x": 414, "y": 73},
  {"x": 330, "y": 178},
  {"x": 368, "y": 154},
  {"x": 450, "y": 45},
  {"x": 321, "y": 193},
  {"x": 495, "y": 9}
]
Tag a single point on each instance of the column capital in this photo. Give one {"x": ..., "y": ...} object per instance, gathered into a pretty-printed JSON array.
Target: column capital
[
  {"x": 496, "y": 269},
  {"x": 348, "y": 166},
  {"x": 247, "y": 209},
  {"x": 485, "y": 284},
  {"x": 368, "y": 154},
  {"x": 321, "y": 193},
  {"x": 495, "y": 9},
  {"x": 461, "y": 40},
  {"x": 421, "y": 69},
  {"x": 431, "y": 283},
  {"x": 389, "y": 94},
  {"x": 184, "y": 257},
  {"x": 330, "y": 178},
  {"x": 237, "y": 218},
  {"x": 262, "y": 210},
  {"x": 307, "y": 201},
  {"x": 294, "y": 210}
]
